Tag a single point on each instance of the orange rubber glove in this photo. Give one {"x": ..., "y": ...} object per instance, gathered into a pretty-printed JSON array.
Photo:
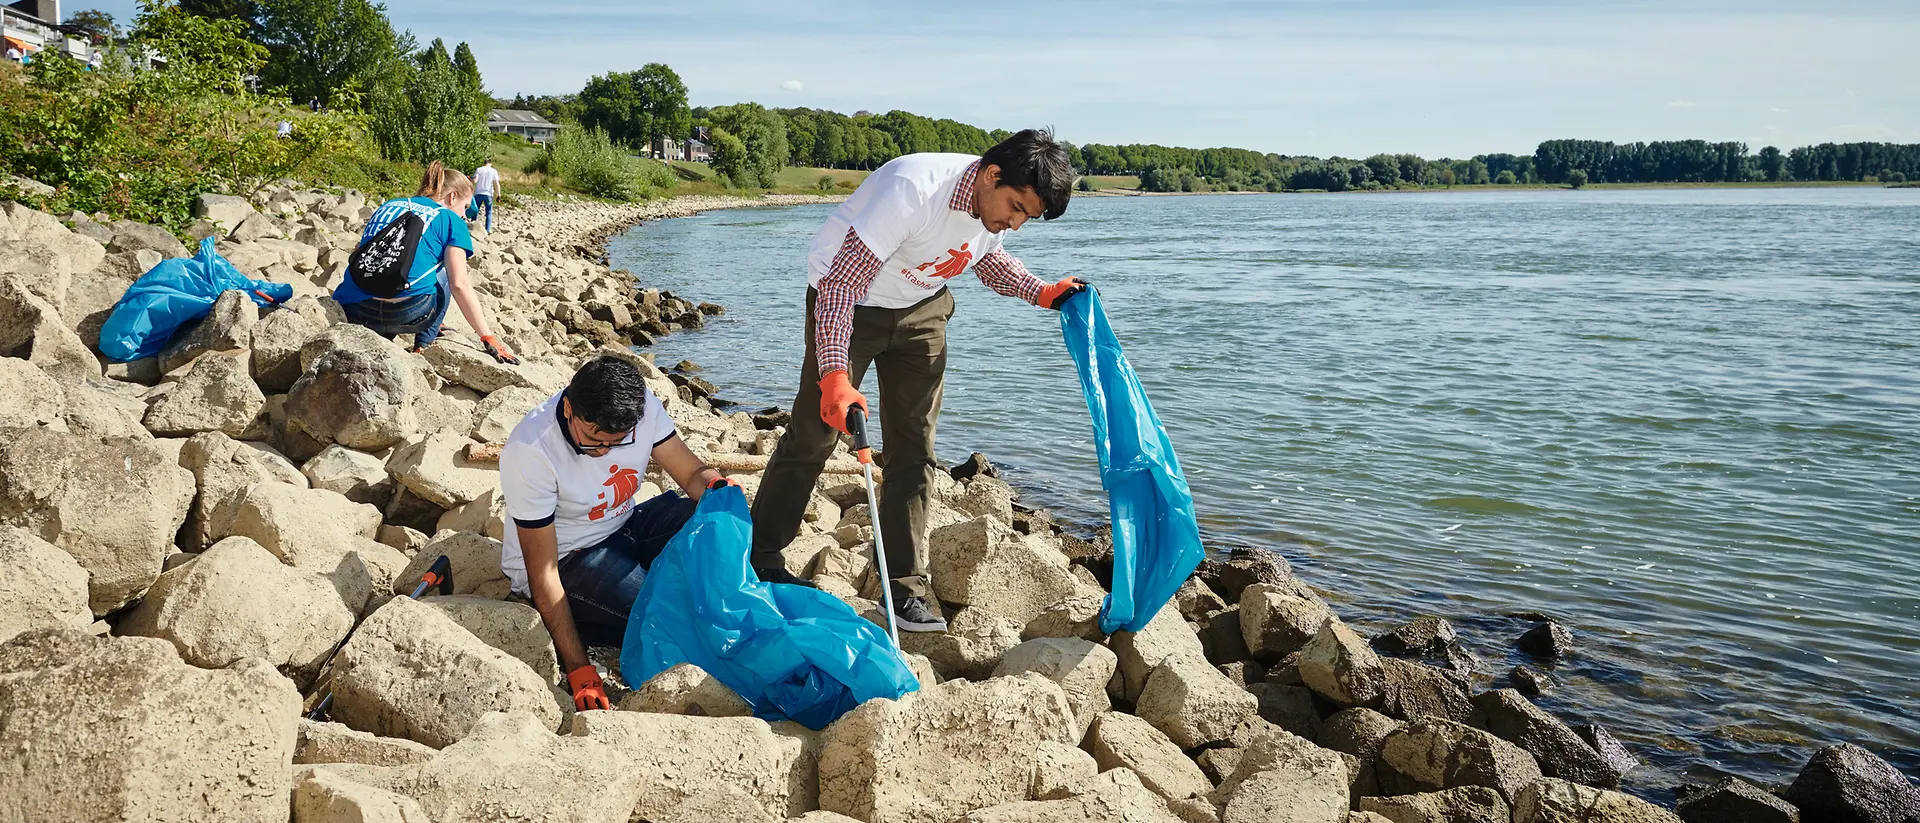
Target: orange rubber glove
[
  {"x": 837, "y": 395},
  {"x": 499, "y": 350},
  {"x": 589, "y": 691},
  {"x": 723, "y": 482},
  {"x": 1056, "y": 294}
]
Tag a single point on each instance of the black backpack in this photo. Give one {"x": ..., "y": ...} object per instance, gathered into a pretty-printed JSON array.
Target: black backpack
[{"x": 381, "y": 263}]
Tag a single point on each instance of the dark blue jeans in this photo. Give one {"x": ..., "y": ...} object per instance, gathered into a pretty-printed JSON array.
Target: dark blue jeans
[
  {"x": 602, "y": 582},
  {"x": 484, "y": 202},
  {"x": 419, "y": 315}
]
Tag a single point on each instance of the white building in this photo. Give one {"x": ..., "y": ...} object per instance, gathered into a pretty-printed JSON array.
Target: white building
[
  {"x": 523, "y": 123},
  {"x": 32, "y": 27}
]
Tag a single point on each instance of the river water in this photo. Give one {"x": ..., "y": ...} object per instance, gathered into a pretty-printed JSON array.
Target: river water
[{"x": 1686, "y": 422}]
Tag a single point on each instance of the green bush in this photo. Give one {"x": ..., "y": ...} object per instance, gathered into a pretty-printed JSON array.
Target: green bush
[
  {"x": 1506, "y": 178},
  {"x": 1577, "y": 178},
  {"x": 587, "y": 160},
  {"x": 1084, "y": 184},
  {"x": 825, "y": 183}
]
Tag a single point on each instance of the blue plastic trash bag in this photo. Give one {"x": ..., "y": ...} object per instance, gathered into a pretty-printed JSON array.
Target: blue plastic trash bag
[
  {"x": 793, "y": 652},
  {"x": 173, "y": 294},
  {"x": 1156, "y": 542}
]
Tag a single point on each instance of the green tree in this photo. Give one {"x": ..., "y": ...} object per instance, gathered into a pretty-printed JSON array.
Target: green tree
[
  {"x": 1506, "y": 178},
  {"x": 317, "y": 48},
  {"x": 763, "y": 136},
  {"x": 1577, "y": 178},
  {"x": 611, "y": 102},
  {"x": 94, "y": 22},
  {"x": 243, "y": 10},
  {"x": 426, "y": 110},
  {"x": 730, "y": 159},
  {"x": 663, "y": 97}
]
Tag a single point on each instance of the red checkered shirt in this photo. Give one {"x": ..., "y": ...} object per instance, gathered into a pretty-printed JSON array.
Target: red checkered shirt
[{"x": 855, "y": 266}]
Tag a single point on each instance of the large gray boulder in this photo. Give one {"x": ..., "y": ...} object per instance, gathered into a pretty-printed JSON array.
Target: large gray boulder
[
  {"x": 217, "y": 394},
  {"x": 1467, "y": 804},
  {"x": 677, "y": 757},
  {"x": 131, "y": 236},
  {"x": 313, "y": 528},
  {"x": 1275, "y": 623},
  {"x": 1082, "y": 669},
  {"x": 1119, "y": 740},
  {"x": 1552, "y": 800},
  {"x": 1340, "y": 665},
  {"x": 236, "y": 600},
  {"x": 355, "y": 475},
  {"x": 323, "y": 742},
  {"x": 495, "y": 416},
  {"x": 983, "y": 563},
  {"x": 514, "y": 628},
  {"x": 224, "y": 210},
  {"x": 1193, "y": 703},
  {"x": 276, "y": 342},
  {"x": 1360, "y": 732},
  {"x": 941, "y": 752},
  {"x": 975, "y": 642},
  {"x": 1165, "y": 636},
  {"x": 1432, "y": 754},
  {"x": 224, "y": 469},
  {"x": 228, "y": 326},
  {"x": 1560, "y": 752},
  {"x": 512, "y": 767},
  {"x": 1112, "y": 797},
  {"x": 115, "y": 729},
  {"x": 410, "y": 671},
  {"x": 41, "y": 587},
  {"x": 32, "y": 398},
  {"x": 686, "y": 689},
  {"x": 1289, "y": 790},
  {"x": 114, "y": 505},
  {"x": 1848, "y": 784},
  {"x": 1732, "y": 800},
  {"x": 437, "y": 470},
  {"x": 359, "y": 397},
  {"x": 31, "y": 329}
]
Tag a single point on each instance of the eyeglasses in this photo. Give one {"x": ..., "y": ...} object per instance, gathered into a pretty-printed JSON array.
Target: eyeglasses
[{"x": 597, "y": 449}]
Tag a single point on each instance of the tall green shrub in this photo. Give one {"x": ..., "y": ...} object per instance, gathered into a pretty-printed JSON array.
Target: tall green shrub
[
  {"x": 426, "y": 109},
  {"x": 588, "y": 160}
]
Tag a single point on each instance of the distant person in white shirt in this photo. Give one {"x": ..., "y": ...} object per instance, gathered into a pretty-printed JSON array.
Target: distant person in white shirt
[
  {"x": 486, "y": 184},
  {"x": 13, "y": 54},
  {"x": 580, "y": 545},
  {"x": 878, "y": 274},
  {"x": 286, "y": 130}
]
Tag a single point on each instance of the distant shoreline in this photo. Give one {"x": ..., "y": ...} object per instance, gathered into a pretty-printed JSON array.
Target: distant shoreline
[{"x": 1496, "y": 187}]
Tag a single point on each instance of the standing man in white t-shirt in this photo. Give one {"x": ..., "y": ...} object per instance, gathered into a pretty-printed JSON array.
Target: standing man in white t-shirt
[
  {"x": 878, "y": 272},
  {"x": 486, "y": 184},
  {"x": 580, "y": 545}
]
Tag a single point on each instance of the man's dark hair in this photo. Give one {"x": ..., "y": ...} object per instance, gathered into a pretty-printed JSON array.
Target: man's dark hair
[
  {"x": 1032, "y": 159},
  {"x": 609, "y": 393}
]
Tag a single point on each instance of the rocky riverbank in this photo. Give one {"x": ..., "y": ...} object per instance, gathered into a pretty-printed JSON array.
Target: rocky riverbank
[{"x": 185, "y": 542}]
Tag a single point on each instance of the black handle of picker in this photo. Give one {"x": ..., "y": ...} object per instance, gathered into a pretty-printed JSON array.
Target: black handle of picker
[
  {"x": 439, "y": 575},
  {"x": 857, "y": 426}
]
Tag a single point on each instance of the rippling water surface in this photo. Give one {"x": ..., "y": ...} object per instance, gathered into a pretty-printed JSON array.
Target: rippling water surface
[{"x": 1686, "y": 422}]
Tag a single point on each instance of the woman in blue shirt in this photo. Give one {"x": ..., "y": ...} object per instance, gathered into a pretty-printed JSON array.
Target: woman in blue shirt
[{"x": 439, "y": 273}]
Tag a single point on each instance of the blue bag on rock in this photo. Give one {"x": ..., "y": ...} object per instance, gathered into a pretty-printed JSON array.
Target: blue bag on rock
[
  {"x": 1156, "y": 542},
  {"x": 176, "y": 292},
  {"x": 793, "y": 652}
]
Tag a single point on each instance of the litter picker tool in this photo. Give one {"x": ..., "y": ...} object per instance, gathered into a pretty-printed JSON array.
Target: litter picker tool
[
  {"x": 439, "y": 575},
  {"x": 862, "y": 451}
]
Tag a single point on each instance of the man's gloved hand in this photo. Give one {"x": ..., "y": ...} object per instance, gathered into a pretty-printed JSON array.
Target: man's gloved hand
[
  {"x": 499, "y": 350},
  {"x": 837, "y": 395},
  {"x": 1056, "y": 294},
  {"x": 723, "y": 482},
  {"x": 589, "y": 691}
]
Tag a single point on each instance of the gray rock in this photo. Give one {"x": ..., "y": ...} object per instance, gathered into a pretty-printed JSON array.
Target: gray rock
[
  {"x": 1245, "y": 567},
  {"x": 276, "y": 341},
  {"x": 1559, "y": 751},
  {"x": 228, "y": 326},
  {"x": 686, "y": 689},
  {"x": 1552, "y": 800},
  {"x": 223, "y": 209},
  {"x": 72, "y": 491},
  {"x": 1359, "y": 732},
  {"x": 1420, "y": 636},
  {"x": 1616, "y": 753},
  {"x": 1119, "y": 740},
  {"x": 1848, "y": 784},
  {"x": 1529, "y": 681},
  {"x": 514, "y": 628},
  {"x": 129, "y": 236},
  {"x": 1733, "y": 800},
  {"x": 355, "y": 475},
  {"x": 31, "y": 329},
  {"x": 982, "y": 562},
  {"x": 224, "y": 469},
  {"x": 112, "y": 729},
  {"x": 41, "y": 587},
  {"x": 1194, "y": 599},
  {"x": 1342, "y": 667},
  {"x": 216, "y": 394},
  {"x": 1080, "y": 667},
  {"x": 1467, "y": 804},
  {"x": 1432, "y": 754},
  {"x": 1165, "y": 636},
  {"x": 495, "y": 416},
  {"x": 353, "y": 399},
  {"x": 1275, "y": 623},
  {"x": 1289, "y": 707},
  {"x": 678, "y": 757},
  {"x": 1111, "y": 797},
  {"x": 437, "y": 470},
  {"x": 975, "y": 642},
  {"x": 1193, "y": 703},
  {"x": 1416, "y": 690},
  {"x": 32, "y": 398},
  {"x": 1547, "y": 640},
  {"x": 322, "y": 742}
]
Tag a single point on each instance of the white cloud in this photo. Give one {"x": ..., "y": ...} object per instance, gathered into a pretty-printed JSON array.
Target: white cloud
[
  {"x": 793, "y": 85},
  {"x": 1682, "y": 104}
]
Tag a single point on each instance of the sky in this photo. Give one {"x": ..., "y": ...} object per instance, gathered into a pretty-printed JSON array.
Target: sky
[{"x": 1347, "y": 77}]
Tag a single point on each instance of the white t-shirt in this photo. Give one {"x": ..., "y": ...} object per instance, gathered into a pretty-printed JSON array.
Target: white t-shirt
[
  {"x": 902, "y": 213},
  {"x": 486, "y": 181},
  {"x": 588, "y": 497}
]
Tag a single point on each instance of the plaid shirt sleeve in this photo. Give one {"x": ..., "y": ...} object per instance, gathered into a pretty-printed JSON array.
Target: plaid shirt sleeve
[
  {"x": 1005, "y": 274},
  {"x": 846, "y": 284}
]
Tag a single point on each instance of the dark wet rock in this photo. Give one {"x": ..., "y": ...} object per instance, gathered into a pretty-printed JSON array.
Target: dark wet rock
[
  {"x": 1289, "y": 707},
  {"x": 1547, "y": 640},
  {"x": 1033, "y": 521},
  {"x": 976, "y": 464},
  {"x": 1433, "y": 754},
  {"x": 1244, "y": 567},
  {"x": 1358, "y": 732},
  {"x": 1848, "y": 784},
  {"x": 1419, "y": 636},
  {"x": 770, "y": 418},
  {"x": 699, "y": 385},
  {"x": 1529, "y": 681},
  {"x": 686, "y": 366},
  {"x": 638, "y": 337},
  {"x": 691, "y": 320},
  {"x": 712, "y": 309},
  {"x": 1559, "y": 751},
  {"x": 1415, "y": 690},
  {"x": 1245, "y": 672},
  {"x": 1733, "y": 800},
  {"x": 1611, "y": 749},
  {"x": 1221, "y": 637}
]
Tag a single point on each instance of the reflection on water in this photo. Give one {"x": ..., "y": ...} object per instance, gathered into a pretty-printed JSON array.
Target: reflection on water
[{"x": 1686, "y": 422}]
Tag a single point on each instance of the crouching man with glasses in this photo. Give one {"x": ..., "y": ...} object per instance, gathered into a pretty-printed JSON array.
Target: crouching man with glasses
[{"x": 579, "y": 544}]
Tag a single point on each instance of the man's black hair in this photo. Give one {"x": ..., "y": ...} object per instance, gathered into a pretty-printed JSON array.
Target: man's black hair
[
  {"x": 609, "y": 393},
  {"x": 1032, "y": 159}
]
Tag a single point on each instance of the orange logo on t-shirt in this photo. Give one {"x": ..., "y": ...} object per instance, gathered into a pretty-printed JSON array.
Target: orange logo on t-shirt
[
  {"x": 953, "y": 266},
  {"x": 625, "y": 484}
]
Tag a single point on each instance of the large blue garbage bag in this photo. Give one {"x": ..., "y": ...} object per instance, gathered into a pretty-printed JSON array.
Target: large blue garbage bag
[
  {"x": 172, "y": 294},
  {"x": 1156, "y": 542},
  {"x": 793, "y": 652}
]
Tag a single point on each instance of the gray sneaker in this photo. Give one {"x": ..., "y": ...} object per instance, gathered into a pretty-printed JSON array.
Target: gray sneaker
[{"x": 913, "y": 614}]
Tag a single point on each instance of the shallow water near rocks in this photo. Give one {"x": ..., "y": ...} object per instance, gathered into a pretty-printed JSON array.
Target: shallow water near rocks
[{"x": 1686, "y": 422}]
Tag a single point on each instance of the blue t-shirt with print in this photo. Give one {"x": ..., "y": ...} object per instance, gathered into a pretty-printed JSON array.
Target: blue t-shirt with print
[{"x": 444, "y": 229}]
